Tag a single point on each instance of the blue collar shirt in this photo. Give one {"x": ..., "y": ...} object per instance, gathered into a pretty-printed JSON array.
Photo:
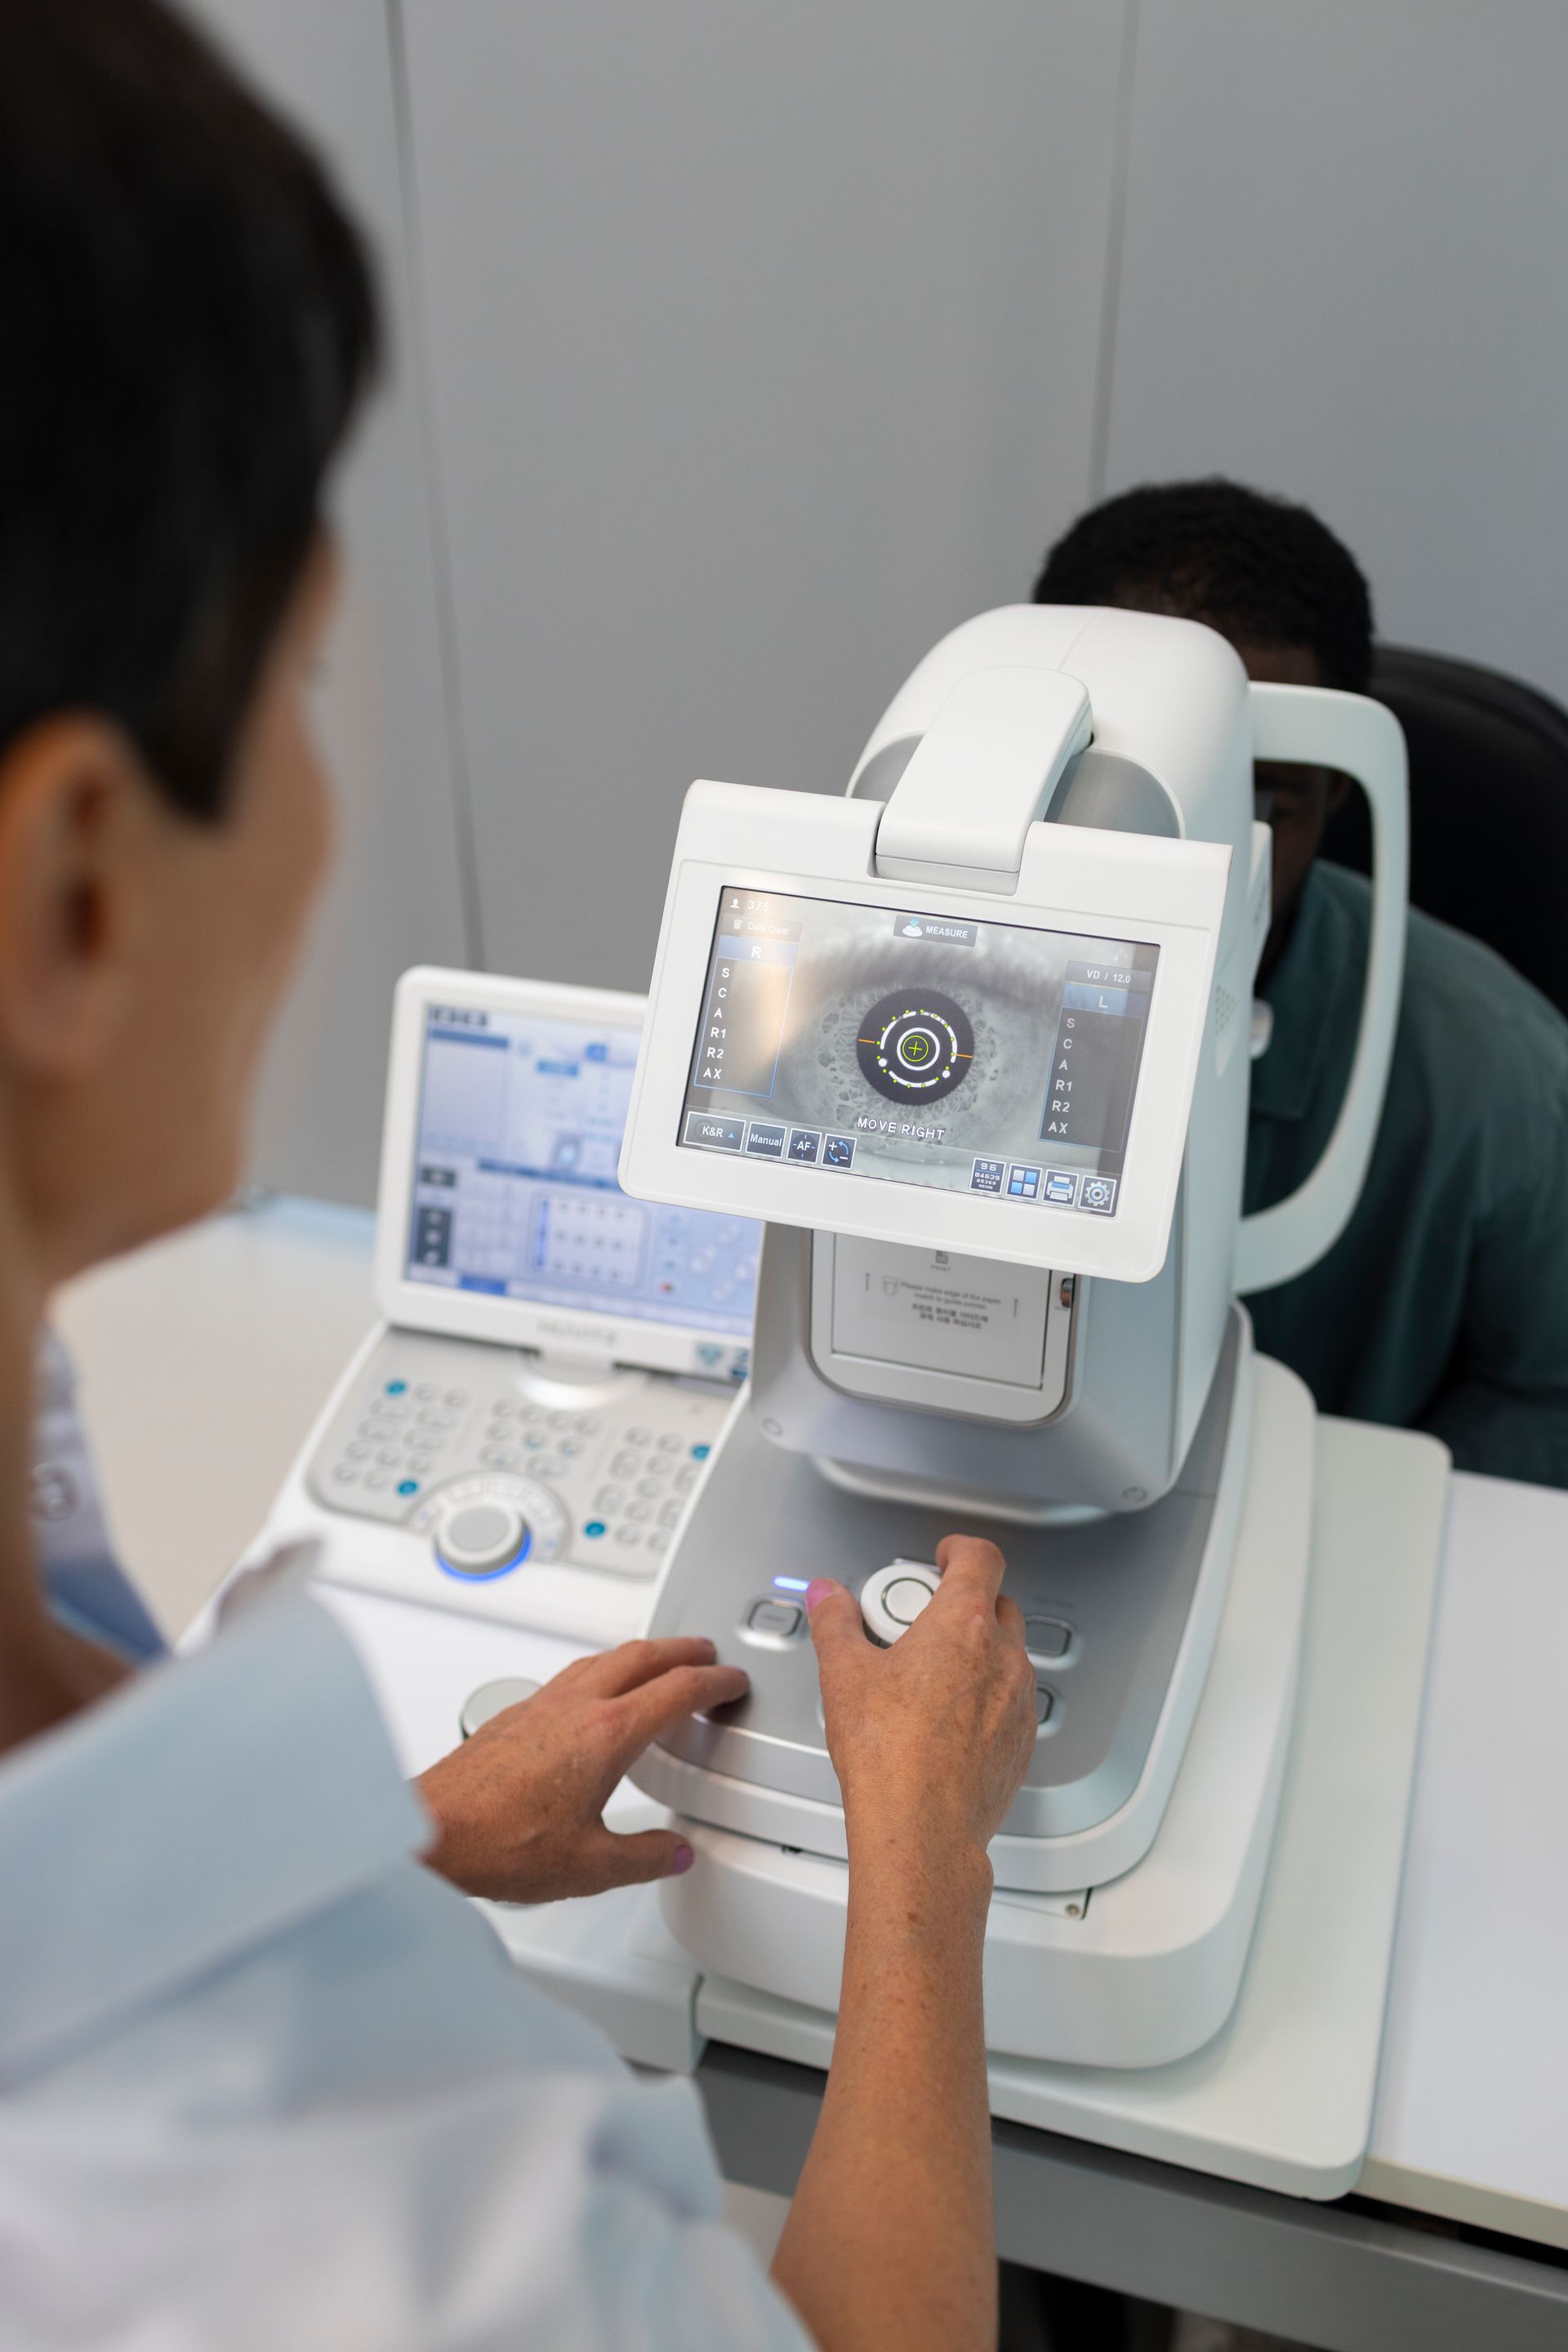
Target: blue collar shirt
[{"x": 265, "y": 2081}]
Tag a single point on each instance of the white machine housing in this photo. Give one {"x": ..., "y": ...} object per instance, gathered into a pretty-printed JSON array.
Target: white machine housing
[{"x": 1077, "y": 769}]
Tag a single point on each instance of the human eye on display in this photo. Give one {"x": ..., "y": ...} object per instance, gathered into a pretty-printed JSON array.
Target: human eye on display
[
  {"x": 951, "y": 1037},
  {"x": 919, "y": 1048}
]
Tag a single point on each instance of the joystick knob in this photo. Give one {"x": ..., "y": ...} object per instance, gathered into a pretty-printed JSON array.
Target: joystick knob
[
  {"x": 494, "y": 1698},
  {"x": 483, "y": 1539},
  {"x": 892, "y": 1598}
]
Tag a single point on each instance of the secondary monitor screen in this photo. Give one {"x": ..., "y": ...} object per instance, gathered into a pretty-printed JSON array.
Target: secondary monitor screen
[
  {"x": 514, "y": 1181},
  {"x": 967, "y": 1056}
]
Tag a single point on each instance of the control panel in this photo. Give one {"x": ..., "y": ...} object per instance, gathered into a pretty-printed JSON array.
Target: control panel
[
  {"x": 498, "y": 1464},
  {"x": 891, "y": 1598}
]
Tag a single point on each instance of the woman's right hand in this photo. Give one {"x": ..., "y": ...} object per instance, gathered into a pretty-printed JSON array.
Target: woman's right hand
[{"x": 931, "y": 1739}]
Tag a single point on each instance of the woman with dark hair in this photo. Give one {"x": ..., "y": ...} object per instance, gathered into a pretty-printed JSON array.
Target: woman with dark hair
[{"x": 265, "y": 2080}]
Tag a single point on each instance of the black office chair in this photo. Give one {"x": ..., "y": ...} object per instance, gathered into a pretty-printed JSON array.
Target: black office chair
[{"x": 1488, "y": 808}]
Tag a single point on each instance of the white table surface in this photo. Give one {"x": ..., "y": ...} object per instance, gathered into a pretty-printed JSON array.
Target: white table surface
[
  {"x": 204, "y": 1359},
  {"x": 1474, "y": 2080}
]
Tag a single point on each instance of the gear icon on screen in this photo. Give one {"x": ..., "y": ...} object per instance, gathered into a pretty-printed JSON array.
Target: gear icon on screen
[{"x": 915, "y": 1046}]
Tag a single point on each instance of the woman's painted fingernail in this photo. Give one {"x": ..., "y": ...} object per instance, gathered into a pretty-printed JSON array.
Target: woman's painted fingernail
[
  {"x": 684, "y": 1858},
  {"x": 819, "y": 1590}
]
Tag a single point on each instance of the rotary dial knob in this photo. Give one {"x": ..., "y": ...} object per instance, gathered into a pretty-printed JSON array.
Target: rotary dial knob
[
  {"x": 486, "y": 1526},
  {"x": 483, "y": 1539}
]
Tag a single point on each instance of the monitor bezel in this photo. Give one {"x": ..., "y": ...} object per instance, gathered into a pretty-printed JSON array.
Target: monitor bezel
[
  {"x": 1169, "y": 894},
  {"x": 580, "y": 1335}
]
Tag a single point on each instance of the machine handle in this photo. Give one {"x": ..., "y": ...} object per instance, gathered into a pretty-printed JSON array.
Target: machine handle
[{"x": 1363, "y": 739}]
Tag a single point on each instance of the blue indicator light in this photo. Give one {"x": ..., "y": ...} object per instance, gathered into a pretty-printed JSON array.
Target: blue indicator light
[
  {"x": 395, "y": 1387},
  {"x": 792, "y": 1583},
  {"x": 700, "y": 1452},
  {"x": 487, "y": 1575},
  {"x": 408, "y": 1486},
  {"x": 594, "y": 1528}
]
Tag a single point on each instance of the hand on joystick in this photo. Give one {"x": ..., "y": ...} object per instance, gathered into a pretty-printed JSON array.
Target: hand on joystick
[{"x": 931, "y": 1737}]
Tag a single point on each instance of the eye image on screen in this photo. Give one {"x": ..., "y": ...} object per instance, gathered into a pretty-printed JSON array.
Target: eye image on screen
[
  {"x": 915, "y": 1046},
  {"x": 968, "y": 1056}
]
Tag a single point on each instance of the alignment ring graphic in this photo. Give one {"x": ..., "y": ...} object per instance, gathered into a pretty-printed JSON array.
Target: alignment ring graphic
[{"x": 915, "y": 1046}]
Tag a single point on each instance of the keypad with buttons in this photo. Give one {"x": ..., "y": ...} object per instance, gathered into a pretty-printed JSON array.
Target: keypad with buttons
[
  {"x": 620, "y": 1461},
  {"x": 644, "y": 1495},
  {"x": 399, "y": 1437}
]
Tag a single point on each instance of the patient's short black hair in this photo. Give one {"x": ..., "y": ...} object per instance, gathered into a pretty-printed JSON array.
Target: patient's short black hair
[
  {"x": 1258, "y": 569},
  {"x": 189, "y": 322}
]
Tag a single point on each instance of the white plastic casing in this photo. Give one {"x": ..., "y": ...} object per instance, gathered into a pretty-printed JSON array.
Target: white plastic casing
[
  {"x": 1361, "y": 738},
  {"x": 1146, "y": 1967},
  {"x": 979, "y": 776},
  {"x": 1170, "y": 893}
]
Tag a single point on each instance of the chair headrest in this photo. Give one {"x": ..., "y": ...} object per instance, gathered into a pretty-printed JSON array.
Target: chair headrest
[{"x": 1488, "y": 807}]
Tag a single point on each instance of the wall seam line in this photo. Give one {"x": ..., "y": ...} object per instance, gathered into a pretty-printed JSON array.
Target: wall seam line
[
  {"x": 418, "y": 348},
  {"x": 1105, "y": 366}
]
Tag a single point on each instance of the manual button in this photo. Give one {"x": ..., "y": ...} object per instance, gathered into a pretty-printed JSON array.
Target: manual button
[{"x": 780, "y": 1618}]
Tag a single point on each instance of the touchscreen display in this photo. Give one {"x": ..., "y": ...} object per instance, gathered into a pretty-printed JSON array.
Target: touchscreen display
[
  {"x": 514, "y": 1181},
  {"x": 972, "y": 1056}
]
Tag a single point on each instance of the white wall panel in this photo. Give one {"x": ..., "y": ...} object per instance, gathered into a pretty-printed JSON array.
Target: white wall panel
[
  {"x": 396, "y": 898},
  {"x": 1345, "y": 276},
  {"x": 764, "y": 338}
]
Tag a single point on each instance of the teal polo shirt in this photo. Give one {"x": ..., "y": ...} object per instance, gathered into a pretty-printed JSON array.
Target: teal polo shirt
[{"x": 1444, "y": 1305}]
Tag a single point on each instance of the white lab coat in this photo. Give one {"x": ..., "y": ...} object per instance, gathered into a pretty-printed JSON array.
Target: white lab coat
[{"x": 268, "y": 2086}]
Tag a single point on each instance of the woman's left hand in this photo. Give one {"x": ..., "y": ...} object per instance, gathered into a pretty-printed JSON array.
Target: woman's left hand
[{"x": 519, "y": 1808}]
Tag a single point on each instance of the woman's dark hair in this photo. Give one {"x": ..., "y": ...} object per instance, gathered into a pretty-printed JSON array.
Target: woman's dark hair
[
  {"x": 189, "y": 320},
  {"x": 1256, "y": 567}
]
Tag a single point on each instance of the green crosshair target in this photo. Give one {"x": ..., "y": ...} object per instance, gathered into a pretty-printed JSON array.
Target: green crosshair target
[{"x": 915, "y": 1046}]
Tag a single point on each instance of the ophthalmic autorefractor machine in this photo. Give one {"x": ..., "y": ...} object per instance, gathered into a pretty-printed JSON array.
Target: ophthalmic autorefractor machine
[{"x": 974, "y": 1041}]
